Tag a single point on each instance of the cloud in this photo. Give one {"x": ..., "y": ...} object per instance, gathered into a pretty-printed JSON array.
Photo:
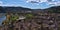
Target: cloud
[
  {"x": 1, "y": 2},
  {"x": 43, "y": 1},
  {"x": 7, "y": 5},
  {"x": 49, "y": 3},
  {"x": 54, "y": 3},
  {"x": 33, "y": 1},
  {"x": 57, "y": 3},
  {"x": 10, "y": 5}
]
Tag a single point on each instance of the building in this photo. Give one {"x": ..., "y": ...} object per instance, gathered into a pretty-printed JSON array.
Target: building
[{"x": 40, "y": 21}]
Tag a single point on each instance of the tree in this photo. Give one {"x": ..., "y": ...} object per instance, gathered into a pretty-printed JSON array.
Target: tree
[
  {"x": 12, "y": 20},
  {"x": 14, "y": 17},
  {"x": 29, "y": 15},
  {"x": 54, "y": 11}
]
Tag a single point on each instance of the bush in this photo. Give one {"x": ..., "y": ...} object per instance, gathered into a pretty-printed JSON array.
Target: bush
[
  {"x": 14, "y": 17},
  {"x": 29, "y": 15}
]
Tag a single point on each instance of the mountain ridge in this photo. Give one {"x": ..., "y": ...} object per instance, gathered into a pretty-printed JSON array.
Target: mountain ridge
[{"x": 5, "y": 9}]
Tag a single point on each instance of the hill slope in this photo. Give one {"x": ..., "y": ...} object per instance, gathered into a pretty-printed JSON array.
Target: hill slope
[{"x": 55, "y": 9}]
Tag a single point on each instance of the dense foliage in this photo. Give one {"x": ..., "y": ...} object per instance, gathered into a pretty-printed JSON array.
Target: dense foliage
[
  {"x": 29, "y": 16},
  {"x": 14, "y": 17},
  {"x": 54, "y": 11}
]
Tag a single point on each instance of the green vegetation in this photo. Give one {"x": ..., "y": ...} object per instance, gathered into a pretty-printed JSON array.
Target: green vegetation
[
  {"x": 10, "y": 19},
  {"x": 14, "y": 17},
  {"x": 29, "y": 16},
  {"x": 5, "y": 22},
  {"x": 54, "y": 11}
]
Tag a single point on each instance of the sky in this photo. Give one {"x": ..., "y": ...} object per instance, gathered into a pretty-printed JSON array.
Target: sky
[{"x": 33, "y": 4}]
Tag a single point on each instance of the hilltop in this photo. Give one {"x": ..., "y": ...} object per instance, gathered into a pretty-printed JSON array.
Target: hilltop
[{"x": 54, "y": 9}]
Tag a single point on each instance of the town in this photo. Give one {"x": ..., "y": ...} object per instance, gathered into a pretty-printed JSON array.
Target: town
[{"x": 18, "y": 18}]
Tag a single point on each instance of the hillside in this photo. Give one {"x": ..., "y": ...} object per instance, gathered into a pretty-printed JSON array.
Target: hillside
[
  {"x": 13, "y": 9},
  {"x": 55, "y": 9}
]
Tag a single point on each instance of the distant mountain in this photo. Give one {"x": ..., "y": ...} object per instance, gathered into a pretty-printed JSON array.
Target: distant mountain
[
  {"x": 55, "y": 9},
  {"x": 13, "y": 9},
  {"x": 2, "y": 9}
]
